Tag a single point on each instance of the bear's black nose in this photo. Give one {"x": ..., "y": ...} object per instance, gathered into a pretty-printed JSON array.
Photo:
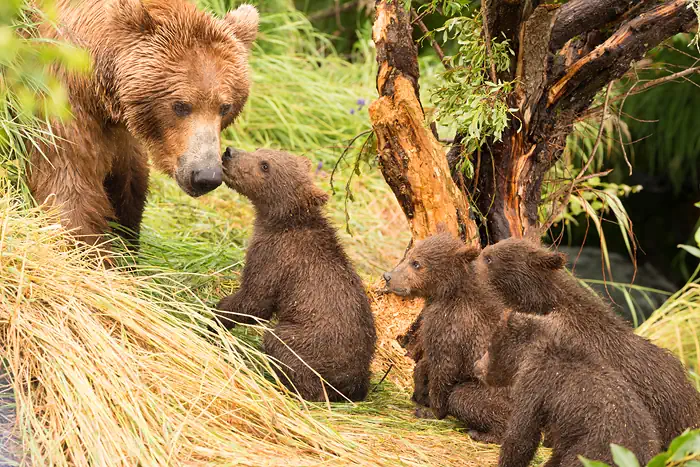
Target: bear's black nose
[
  {"x": 205, "y": 180},
  {"x": 387, "y": 277},
  {"x": 229, "y": 153}
]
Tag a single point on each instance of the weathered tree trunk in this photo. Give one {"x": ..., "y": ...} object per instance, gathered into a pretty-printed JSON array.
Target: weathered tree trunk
[
  {"x": 411, "y": 158},
  {"x": 564, "y": 57}
]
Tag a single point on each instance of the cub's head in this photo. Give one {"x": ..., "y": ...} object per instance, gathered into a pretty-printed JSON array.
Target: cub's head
[
  {"x": 509, "y": 344},
  {"x": 276, "y": 182},
  {"x": 522, "y": 272},
  {"x": 430, "y": 266},
  {"x": 181, "y": 78}
]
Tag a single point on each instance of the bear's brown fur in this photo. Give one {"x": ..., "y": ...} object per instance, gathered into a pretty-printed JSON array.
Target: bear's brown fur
[
  {"x": 412, "y": 341},
  {"x": 457, "y": 321},
  {"x": 579, "y": 401},
  {"x": 166, "y": 79},
  {"x": 531, "y": 279},
  {"x": 296, "y": 269}
]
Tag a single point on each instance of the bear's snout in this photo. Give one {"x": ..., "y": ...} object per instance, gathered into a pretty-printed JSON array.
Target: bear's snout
[
  {"x": 387, "y": 277},
  {"x": 205, "y": 180}
]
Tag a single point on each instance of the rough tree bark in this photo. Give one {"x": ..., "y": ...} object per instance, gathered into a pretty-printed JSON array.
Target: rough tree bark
[
  {"x": 564, "y": 55},
  {"x": 411, "y": 158}
]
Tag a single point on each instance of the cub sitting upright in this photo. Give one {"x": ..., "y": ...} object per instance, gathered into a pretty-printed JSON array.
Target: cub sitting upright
[
  {"x": 295, "y": 268},
  {"x": 457, "y": 322},
  {"x": 531, "y": 279},
  {"x": 580, "y": 402}
]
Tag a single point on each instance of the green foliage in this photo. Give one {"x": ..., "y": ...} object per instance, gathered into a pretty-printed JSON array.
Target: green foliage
[
  {"x": 466, "y": 96},
  {"x": 683, "y": 451},
  {"x": 30, "y": 94},
  {"x": 305, "y": 98},
  {"x": 693, "y": 250},
  {"x": 663, "y": 120}
]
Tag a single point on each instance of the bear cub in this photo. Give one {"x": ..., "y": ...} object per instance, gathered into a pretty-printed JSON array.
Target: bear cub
[
  {"x": 532, "y": 279},
  {"x": 456, "y": 324},
  {"x": 296, "y": 269},
  {"x": 580, "y": 402}
]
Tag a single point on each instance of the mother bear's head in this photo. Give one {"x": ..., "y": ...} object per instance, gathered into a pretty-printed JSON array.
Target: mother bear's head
[{"x": 181, "y": 77}]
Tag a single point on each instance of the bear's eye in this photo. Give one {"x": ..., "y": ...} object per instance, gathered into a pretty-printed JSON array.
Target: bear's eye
[
  {"x": 182, "y": 109},
  {"x": 225, "y": 109},
  {"x": 415, "y": 265},
  {"x": 488, "y": 259},
  {"x": 264, "y": 166}
]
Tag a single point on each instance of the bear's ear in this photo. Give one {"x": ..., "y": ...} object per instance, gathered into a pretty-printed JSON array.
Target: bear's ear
[
  {"x": 468, "y": 253},
  {"x": 134, "y": 15},
  {"x": 317, "y": 197},
  {"x": 307, "y": 163},
  {"x": 551, "y": 260},
  {"x": 244, "y": 21}
]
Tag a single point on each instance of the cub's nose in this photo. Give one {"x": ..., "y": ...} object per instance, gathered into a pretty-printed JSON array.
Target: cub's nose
[
  {"x": 205, "y": 180},
  {"x": 230, "y": 153},
  {"x": 387, "y": 277}
]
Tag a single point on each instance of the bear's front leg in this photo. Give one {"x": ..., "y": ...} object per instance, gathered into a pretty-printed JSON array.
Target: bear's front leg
[
  {"x": 83, "y": 205},
  {"x": 421, "y": 378},
  {"x": 440, "y": 383},
  {"x": 127, "y": 188},
  {"x": 244, "y": 307}
]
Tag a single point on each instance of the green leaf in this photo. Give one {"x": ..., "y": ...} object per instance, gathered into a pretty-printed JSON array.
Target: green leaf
[
  {"x": 590, "y": 463},
  {"x": 659, "y": 460},
  {"x": 691, "y": 249},
  {"x": 685, "y": 444},
  {"x": 623, "y": 457}
]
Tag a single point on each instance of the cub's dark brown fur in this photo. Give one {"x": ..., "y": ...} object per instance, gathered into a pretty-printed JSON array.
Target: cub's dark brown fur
[
  {"x": 412, "y": 341},
  {"x": 531, "y": 279},
  {"x": 580, "y": 402},
  {"x": 457, "y": 320},
  {"x": 296, "y": 269}
]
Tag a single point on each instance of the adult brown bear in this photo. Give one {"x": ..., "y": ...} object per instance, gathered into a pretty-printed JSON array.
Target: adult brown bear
[{"x": 166, "y": 80}]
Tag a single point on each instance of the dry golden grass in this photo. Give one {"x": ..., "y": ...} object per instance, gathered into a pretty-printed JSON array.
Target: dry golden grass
[
  {"x": 393, "y": 316},
  {"x": 108, "y": 369}
]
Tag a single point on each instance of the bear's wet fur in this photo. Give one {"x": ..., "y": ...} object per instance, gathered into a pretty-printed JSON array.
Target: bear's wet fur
[
  {"x": 166, "y": 79},
  {"x": 455, "y": 327},
  {"x": 579, "y": 401},
  {"x": 297, "y": 270},
  {"x": 532, "y": 279}
]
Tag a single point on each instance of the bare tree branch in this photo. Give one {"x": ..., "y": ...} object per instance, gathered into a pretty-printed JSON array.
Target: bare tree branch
[
  {"x": 614, "y": 57},
  {"x": 579, "y": 16},
  {"x": 638, "y": 89},
  {"x": 424, "y": 29}
]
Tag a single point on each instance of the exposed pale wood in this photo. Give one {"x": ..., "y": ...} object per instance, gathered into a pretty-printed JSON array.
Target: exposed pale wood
[{"x": 412, "y": 160}]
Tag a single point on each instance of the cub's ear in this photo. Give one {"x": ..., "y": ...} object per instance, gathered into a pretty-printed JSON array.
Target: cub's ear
[
  {"x": 307, "y": 163},
  {"x": 469, "y": 253},
  {"x": 317, "y": 197},
  {"x": 244, "y": 21},
  {"x": 134, "y": 15},
  {"x": 551, "y": 260}
]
